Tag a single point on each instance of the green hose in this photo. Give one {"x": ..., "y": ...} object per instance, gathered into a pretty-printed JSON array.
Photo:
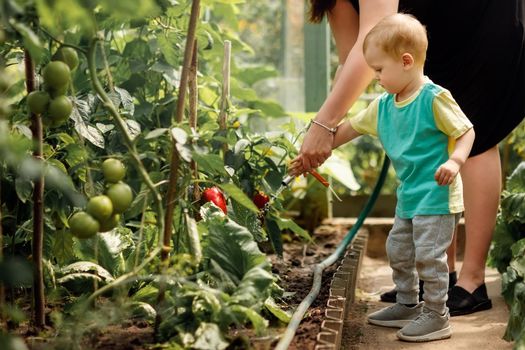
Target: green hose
[{"x": 318, "y": 270}]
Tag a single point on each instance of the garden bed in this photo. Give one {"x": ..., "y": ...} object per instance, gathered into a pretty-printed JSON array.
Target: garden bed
[{"x": 295, "y": 271}]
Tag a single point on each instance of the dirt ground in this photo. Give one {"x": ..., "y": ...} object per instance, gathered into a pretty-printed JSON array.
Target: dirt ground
[{"x": 482, "y": 330}]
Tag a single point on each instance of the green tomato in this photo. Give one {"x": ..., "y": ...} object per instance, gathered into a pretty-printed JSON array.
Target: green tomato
[
  {"x": 100, "y": 207},
  {"x": 68, "y": 55},
  {"x": 113, "y": 170},
  {"x": 121, "y": 196},
  {"x": 60, "y": 109},
  {"x": 83, "y": 225},
  {"x": 109, "y": 224},
  {"x": 37, "y": 101},
  {"x": 56, "y": 74}
]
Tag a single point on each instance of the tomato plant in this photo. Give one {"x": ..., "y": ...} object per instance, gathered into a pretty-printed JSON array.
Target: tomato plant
[{"x": 106, "y": 78}]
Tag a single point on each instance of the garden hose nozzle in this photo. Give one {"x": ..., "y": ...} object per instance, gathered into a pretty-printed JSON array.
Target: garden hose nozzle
[{"x": 286, "y": 181}]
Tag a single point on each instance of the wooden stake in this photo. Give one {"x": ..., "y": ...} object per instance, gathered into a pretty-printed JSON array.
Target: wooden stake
[
  {"x": 194, "y": 99},
  {"x": 38, "y": 204}
]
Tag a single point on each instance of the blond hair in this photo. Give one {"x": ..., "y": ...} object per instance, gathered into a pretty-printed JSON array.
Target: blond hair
[{"x": 397, "y": 34}]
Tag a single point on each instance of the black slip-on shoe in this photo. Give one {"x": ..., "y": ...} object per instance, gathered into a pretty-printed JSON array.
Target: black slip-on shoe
[
  {"x": 460, "y": 302},
  {"x": 391, "y": 295}
]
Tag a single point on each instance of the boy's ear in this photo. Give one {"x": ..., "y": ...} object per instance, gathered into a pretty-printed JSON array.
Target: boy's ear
[{"x": 408, "y": 60}]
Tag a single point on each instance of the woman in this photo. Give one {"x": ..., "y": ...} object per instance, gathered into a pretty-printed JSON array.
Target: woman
[{"x": 477, "y": 51}]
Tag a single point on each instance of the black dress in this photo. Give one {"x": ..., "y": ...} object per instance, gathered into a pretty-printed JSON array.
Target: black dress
[{"x": 477, "y": 51}]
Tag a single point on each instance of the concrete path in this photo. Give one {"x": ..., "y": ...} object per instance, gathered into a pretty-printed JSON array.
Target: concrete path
[{"x": 478, "y": 331}]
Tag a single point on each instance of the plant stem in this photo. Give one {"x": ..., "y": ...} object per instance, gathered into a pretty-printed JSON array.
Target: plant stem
[
  {"x": 78, "y": 48},
  {"x": 141, "y": 232},
  {"x": 38, "y": 204},
  {"x": 106, "y": 67}
]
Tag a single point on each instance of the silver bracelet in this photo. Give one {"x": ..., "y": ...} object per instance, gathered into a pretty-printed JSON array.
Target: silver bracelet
[{"x": 330, "y": 130}]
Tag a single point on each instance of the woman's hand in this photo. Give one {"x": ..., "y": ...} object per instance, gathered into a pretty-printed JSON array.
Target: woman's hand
[{"x": 316, "y": 148}]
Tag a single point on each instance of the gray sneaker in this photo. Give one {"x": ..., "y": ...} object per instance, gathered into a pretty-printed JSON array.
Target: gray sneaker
[
  {"x": 397, "y": 315},
  {"x": 428, "y": 326}
]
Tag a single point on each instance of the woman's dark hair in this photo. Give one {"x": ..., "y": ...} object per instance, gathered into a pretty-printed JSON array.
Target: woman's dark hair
[{"x": 318, "y": 8}]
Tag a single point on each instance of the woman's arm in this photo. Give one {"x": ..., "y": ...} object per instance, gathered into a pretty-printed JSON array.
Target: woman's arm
[{"x": 353, "y": 78}]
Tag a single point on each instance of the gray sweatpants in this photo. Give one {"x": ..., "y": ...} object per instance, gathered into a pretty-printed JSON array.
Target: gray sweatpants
[{"x": 418, "y": 246}]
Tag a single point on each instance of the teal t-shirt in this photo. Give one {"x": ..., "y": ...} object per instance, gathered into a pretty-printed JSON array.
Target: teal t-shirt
[{"x": 418, "y": 135}]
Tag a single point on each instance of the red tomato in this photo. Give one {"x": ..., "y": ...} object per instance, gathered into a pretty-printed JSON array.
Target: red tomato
[
  {"x": 260, "y": 199},
  {"x": 214, "y": 195}
]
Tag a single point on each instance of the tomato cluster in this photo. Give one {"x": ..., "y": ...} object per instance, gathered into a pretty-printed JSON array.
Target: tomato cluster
[
  {"x": 51, "y": 102},
  {"x": 103, "y": 211}
]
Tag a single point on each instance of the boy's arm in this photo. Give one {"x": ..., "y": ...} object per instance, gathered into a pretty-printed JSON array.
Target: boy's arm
[
  {"x": 448, "y": 171},
  {"x": 345, "y": 133}
]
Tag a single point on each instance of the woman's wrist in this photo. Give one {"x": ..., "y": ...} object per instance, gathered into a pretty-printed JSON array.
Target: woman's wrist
[{"x": 331, "y": 130}]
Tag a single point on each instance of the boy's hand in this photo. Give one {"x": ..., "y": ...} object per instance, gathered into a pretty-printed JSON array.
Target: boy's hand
[{"x": 447, "y": 172}]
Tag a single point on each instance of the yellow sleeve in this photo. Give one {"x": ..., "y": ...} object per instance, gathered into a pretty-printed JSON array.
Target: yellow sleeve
[
  {"x": 449, "y": 117},
  {"x": 365, "y": 122}
]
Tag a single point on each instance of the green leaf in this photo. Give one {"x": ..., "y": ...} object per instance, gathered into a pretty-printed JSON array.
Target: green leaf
[
  {"x": 62, "y": 247},
  {"x": 275, "y": 236},
  {"x": 124, "y": 10},
  {"x": 277, "y": 311},
  {"x": 260, "y": 324},
  {"x": 24, "y": 189},
  {"x": 156, "y": 133},
  {"x": 170, "y": 48},
  {"x": 248, "y": 219},
  {"x": 241, "y": 145},
  {"x": 213, "y": 163},
  {"x": 193, "y": 237},
  {"x": 513, "y": 207},
  {"x": 87, "y": 267},
  {"x": 251, "y": 75},
  {"x": 269, "y": 108},
  {"x": 111, "y": 246},
  {"x": 209, "y": 336},
  {"x": 237, "y": 194},
  {"x": 516, "y": 181},
  {"x": 231, "y": 246},
  {"x": 288, "y": 224},
  {"x": 90, "y": 133},
  {"x": 142, "y": 311}
]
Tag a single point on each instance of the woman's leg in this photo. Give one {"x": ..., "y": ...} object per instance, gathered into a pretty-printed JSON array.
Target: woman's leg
[{"x": 481, "y": 193}]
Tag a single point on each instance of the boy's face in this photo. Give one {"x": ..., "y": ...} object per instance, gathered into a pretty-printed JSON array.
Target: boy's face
[{"x": 390, "y": 73}]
